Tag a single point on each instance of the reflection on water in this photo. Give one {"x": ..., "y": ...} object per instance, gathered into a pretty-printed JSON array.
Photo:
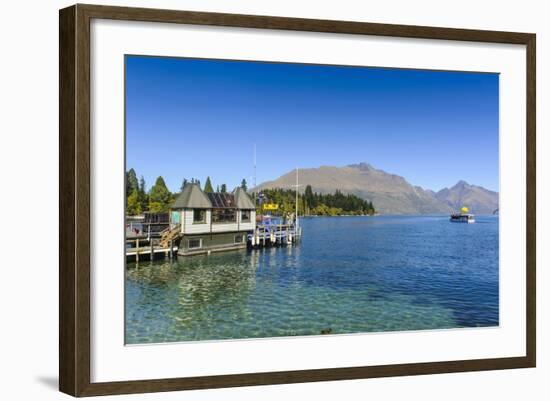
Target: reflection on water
[{"x": 357, "y": 274}]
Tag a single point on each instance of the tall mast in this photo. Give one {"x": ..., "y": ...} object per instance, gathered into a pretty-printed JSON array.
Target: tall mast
[
  {"x": 254, "y": 177},
  {"x": 297, "y": 199},
  {"x": 254, "y": 181}
]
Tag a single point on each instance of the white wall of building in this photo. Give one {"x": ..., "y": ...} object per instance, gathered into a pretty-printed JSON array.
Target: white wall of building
[{"x": 189, "y": 227}]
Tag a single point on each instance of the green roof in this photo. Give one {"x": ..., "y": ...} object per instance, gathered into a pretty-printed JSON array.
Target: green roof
[{"x": 192, "y": 197}]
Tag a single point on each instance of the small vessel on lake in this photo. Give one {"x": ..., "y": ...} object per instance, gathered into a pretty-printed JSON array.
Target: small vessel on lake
[{"x": 463, "y": 217}]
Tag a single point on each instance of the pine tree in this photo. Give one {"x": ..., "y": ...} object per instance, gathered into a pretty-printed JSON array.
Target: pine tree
[
  {"x": 208, "y": 185},
  {"x": 308, "y": 195},
  {"x": 133, "y": 206},
  {"x": 160, "y": 197},
  {"x": 223, "y": 188},
  {"x": 131, "y": 182},
  {"x": 142, "y": 194},
  {"x": 142, "y": 184},
  {"x": 243, "y": 185}
]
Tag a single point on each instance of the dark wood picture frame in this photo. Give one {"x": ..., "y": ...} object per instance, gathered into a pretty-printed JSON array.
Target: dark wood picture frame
[{"x": 74, "y": 199}]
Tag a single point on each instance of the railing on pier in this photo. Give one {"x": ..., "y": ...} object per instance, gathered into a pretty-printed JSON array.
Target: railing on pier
[
  {"x": 274, "y": 234},
  {"x": 150, "y": 239},
  {"x": 149, "y": 230}
]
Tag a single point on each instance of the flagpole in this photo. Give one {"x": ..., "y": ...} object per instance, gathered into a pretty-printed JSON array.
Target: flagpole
[
  {"x": 296, "y": 199},
  {"x": 254, "y": 165},
  {"x": 254, "y": 178}
]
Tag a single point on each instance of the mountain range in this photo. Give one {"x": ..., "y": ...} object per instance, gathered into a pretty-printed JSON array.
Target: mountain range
[{"x": 390, "y": 193}]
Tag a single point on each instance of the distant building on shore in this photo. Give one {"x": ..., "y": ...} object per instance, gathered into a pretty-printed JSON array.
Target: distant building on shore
[{"x": 212, "y": 221}]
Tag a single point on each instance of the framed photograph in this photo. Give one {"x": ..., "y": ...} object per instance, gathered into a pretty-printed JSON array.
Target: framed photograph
[{"x": 250, "y": 200}]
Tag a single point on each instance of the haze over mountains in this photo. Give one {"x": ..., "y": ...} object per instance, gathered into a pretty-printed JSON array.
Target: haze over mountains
[{"x": 390, "y": 193}]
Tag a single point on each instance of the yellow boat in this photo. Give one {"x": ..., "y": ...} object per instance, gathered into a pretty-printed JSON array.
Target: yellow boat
[{"x": 463, "y": 217}]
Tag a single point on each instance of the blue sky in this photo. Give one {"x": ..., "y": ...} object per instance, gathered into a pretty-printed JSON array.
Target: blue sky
[{"x": 193, "y": 118}]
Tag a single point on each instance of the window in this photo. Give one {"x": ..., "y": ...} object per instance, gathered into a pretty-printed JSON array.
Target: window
[
  {"x": 239, "y": 239},
  {"x": 224, "y": 216},
  {"x": 176, "y": 217},
  {"x": 199, "y": 216},
  {"x": 194, "y": 243},
  {"x": 245, "y": 216}
]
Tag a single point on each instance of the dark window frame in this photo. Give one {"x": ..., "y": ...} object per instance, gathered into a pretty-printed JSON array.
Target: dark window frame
[
  {"x": 218, "y": 216},
  {"x": 194, "y": 247},
  {"x": 249, "y": 218},
  {"x": 203, "y": 220}
]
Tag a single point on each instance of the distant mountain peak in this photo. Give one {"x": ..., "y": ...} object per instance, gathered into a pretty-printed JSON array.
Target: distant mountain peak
[
  {"x": 461, "y": 183},
  {"x": 362, "y": 166},
  {"x": 476, "y": 198}
]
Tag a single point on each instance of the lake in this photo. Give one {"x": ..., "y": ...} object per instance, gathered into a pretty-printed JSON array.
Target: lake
[{"x": 347, "y": 275}]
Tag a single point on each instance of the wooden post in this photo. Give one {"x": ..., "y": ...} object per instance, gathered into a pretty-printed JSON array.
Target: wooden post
[
  {"x": 171, "y": 249},
  {"x": 151, "y": 248},
  {"x": 137, "y": 249}
]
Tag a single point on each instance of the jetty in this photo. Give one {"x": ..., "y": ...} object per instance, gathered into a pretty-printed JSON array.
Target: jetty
[
  {"x": 165, "y": 244},
  {"x": 203, "y": 223},
  {"x": 150, "y": 236},
  {"x": 268, "y": 233}
]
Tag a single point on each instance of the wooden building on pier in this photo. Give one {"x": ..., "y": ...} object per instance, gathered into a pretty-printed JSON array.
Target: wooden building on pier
[{"x": 210, "y": 222}]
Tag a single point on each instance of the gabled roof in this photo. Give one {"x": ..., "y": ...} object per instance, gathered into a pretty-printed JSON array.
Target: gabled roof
[
  {"x": 192, "y": 197},
  {"x": 242, "y": 199}
]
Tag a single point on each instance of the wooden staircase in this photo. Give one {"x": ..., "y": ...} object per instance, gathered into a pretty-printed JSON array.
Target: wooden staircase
[{"x": 170, "y": 234}]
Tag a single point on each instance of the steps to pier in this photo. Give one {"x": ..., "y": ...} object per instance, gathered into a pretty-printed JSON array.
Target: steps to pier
[{"x": 152, "y": 243}]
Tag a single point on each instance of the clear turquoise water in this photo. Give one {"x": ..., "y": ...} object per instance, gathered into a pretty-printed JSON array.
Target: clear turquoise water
[{"x": 348, "y": 275}]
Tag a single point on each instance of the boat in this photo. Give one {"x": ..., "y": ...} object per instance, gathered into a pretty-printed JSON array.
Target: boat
[{"x": 463, "y": 217}]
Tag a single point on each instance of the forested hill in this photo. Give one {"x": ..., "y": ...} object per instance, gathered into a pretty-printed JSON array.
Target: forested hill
[{"x": 313, "y": 203}]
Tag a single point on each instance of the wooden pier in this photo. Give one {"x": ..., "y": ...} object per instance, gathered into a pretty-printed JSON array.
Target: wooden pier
[
  {"x": 159, "y": 239},
  {"x": 147, "y": 251},
  {"x": 151, "y": 244},
  {"x": 274, "y": 235}
]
